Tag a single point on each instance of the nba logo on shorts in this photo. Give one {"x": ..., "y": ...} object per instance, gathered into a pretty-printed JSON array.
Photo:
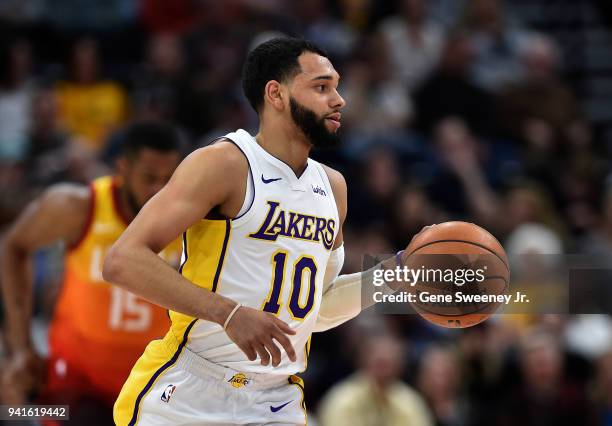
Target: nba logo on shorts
[{"x": 168, "y": 393}]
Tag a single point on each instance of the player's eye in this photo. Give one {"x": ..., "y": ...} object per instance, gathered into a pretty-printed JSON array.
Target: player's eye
[{"x": 321, "y": 88}]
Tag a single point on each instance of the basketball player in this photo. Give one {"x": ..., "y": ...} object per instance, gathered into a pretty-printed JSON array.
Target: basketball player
[
  {"x": 262, "y": 247},
  {"x": 98, "y": 331}
]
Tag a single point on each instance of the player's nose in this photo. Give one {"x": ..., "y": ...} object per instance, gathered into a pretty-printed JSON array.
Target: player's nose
[{"x": 339, "y": 101}]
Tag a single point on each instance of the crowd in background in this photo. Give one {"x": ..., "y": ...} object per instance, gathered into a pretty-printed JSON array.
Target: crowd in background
[{"x": 456, "y": 110}]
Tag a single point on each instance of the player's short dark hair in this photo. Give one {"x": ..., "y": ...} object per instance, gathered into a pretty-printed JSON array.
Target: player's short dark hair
[
  {"x": 154, "y": 135},
  {"x": 275, "y": 59}
]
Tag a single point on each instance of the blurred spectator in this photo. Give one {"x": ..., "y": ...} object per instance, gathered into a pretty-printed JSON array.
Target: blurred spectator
[
  {"x": 528, "y": 202},
  {"x": 462, "y": 186},
  {"x": 412, "y": 211},
  {"x": 582, "y": 178},
  {"x": 90, "y": 106},
  {"x": 589, "y": 336},
  {"x": 357, "y": 13},
  {"x": 377, "y": 109},
  {"x": 22, "y": 12},
  {"x": 159, "y": 84},
  {"x": 369, "y": 241},
  {"x": 319, "y": 26},
  {"x": 448, "y": 91},
  {"x": 46, "y": 157},
  {"x": 533, "y": 238},
  {"x": 483, "y": 353},
  {"x": 496, "y": 44},
  {"x": 53, "y": 156},
  {"x": 374, "y": 395},
  {"x": 599, "y": 240},
  {"x": 414, "y": 42},
  {"x": 16, "y": 87},
  {"x": 90, "y": 14},
  {"x": 603, "y": 389},
  {"x": 438, "y": 380},
  {"x": 538, "y": 270},
  {"x": 540, "y": 108},
  {"x": 545, "y": 397},
  {"x": 161, "y": 16},
  {"x": 215, "y": 56},
  {"x": 380, "y": 179}
]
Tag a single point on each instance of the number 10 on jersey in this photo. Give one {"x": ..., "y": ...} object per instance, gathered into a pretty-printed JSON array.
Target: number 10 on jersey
[{"x": 303, "y": 274}]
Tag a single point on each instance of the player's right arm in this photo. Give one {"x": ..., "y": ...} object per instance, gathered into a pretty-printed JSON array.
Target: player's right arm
[
  {"x": 59, "y": 214},
  {"x": 210, "y": 177}
]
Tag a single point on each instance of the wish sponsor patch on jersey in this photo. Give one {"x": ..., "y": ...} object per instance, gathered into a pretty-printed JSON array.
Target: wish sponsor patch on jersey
[{"x": 318, "y": 190}]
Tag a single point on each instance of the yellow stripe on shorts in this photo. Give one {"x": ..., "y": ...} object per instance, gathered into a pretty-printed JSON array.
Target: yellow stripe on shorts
[
  {"x": 145, "y": 374},
  {"x": 205, "y": 246},
  {"x": 297, "y": 381}
]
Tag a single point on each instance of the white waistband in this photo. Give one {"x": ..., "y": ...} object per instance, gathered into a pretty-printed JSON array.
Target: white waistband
[{"x": 201, "y": 367}]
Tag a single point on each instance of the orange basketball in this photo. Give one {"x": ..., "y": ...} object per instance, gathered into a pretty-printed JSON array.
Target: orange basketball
[{"x": 464, "y": 274}]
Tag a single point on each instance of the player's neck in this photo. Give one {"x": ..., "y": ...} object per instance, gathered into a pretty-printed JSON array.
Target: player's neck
[
  {"x": 284, "y": 144},
  {"x": 127, "y": 210}
]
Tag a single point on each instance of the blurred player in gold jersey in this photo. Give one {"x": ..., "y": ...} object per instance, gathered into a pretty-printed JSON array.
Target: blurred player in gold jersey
[{"x": 98, "y": 330}]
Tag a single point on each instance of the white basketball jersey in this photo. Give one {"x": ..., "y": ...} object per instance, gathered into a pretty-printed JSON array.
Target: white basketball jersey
[{"x": 272, "y": 257}]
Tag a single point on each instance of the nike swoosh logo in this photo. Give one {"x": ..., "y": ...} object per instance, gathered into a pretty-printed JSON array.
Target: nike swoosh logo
[
  {"x": 280, "y": 407},
  {"x": 264, "y": 180}
]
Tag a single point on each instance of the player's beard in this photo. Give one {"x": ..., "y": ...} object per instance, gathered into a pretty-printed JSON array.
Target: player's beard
[
  {"x": 133, "y": 203},
  {"x": 312, "y": 126}
]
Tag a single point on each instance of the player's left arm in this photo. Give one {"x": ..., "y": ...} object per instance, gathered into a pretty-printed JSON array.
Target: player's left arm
[
  {"x": 340, "y": 302},
  {"x": 342, "y": 293}
]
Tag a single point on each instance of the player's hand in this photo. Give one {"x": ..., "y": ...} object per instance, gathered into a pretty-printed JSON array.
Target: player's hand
[
  {"x": 21, "y": 374},
  {"x": 255, "y": 332}
]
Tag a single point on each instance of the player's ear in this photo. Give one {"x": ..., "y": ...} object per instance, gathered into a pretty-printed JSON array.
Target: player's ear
[{"x": 273, "y": 92}]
